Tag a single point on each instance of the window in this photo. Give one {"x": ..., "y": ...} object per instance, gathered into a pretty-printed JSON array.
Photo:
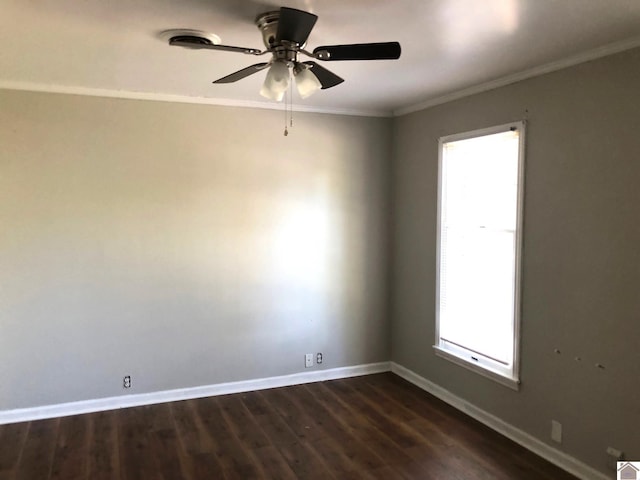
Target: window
[{"x": 479, "y": 226}]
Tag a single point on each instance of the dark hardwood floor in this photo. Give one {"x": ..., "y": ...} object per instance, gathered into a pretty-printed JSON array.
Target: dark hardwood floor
[{"x": 372, "y": 427}]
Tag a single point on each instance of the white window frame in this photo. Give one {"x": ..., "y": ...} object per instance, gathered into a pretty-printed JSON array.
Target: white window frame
[{"x": 505, "y": 375}]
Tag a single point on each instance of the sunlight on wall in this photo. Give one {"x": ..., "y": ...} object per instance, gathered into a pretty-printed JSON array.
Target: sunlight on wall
[
  {"x": 302, "y": 241},
  {"x": 302, "y": 244},
  {"x": 304, "y": 268}
]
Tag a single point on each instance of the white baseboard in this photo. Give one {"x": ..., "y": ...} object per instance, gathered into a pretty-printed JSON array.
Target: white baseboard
[
  {"x": 125, "y": 401},
  {"x": 558, "y": 458}
]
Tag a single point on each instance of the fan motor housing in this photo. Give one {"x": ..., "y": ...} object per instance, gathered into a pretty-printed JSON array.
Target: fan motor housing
[{"x": 268, "y": 25}]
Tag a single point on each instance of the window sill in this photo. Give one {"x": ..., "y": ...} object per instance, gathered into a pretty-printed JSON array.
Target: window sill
[{"x": 512, "y": 383}]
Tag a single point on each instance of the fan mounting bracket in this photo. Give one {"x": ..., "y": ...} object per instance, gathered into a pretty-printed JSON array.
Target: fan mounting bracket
[{"x": 191, "y": 36}]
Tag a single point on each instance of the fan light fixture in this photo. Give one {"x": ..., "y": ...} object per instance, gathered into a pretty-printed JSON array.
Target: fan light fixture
[
  {"x": 276, "y": 82},
  {"x": 279, "y": 77},
  {"x": 306, "y": 82}
]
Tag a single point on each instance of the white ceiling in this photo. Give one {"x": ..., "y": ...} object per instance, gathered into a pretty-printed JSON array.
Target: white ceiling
[{"x": 112, "y": 47}]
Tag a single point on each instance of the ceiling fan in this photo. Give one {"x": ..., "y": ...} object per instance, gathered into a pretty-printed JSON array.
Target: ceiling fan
[{"x": 285, "y": 33}]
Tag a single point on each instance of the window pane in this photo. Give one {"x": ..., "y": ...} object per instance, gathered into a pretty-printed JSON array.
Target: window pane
[
  {"x": 481, "y": 181},
  {"x": 476, "y": 309},
  {"x": 478, "y": 234}
]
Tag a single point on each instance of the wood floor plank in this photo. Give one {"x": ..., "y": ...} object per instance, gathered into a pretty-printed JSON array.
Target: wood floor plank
[
  {"x": 376, "y": 440},
  {"x": 303, "y": 462},
  {"x": 189, "y": 428},
  {"x": 236, "y": 461},
  {"x": 70, "y": 457},
  {"x": 383, "y": 473},
  {"x": 103, "y": 461},
  {"x": 137, "y": 459},
  {"x": 377, "y": 397},
  {"x": 287, "y": 430},
  {"x": 371, "y": 428},
  {"x": 334, "y": 457},
  {"x": 171, "y": 464},
  {"x": 37, "y": 453},
  {"x": 392, "y": 427},
  {"x": 163, "y": 439},
  {"x": 241, "y": 422},
  {"x": 276, "y": 429},
  {"x": 256, "y": 404},
  {"x": 12, "y": 439},
  {"x": 193, "y": 445},
  {"x": 301, "y": 422},
  {"x": 273, "y": 463},
  {"x": 353, "y": 447}
]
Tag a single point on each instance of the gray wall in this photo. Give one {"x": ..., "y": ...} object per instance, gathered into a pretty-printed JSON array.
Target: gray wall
[
  {"x": 581, "y": 263},
  {"x": 184, "y": 245}
]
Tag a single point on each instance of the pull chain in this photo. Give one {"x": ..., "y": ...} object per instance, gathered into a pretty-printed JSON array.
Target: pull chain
[
  {"x": 291, "y": 102},
  {"x": 286, "y": 132},
  {"x": 288, "y": 97}
]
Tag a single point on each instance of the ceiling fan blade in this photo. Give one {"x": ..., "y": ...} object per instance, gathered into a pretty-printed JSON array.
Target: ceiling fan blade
[
  {"x": 295, "y": 25},
  {"x": 359, "y": 51},
  {"x": 240, "y": 74},
  {"x": 197, "y": 43},
  {"x": 327, "y": 78}
]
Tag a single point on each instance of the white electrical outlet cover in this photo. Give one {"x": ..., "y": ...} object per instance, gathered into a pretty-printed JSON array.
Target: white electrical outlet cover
[{"x": 613, "y": 452}]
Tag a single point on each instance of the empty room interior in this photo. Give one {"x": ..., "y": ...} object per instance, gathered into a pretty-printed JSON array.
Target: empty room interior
[{"x": 227, "y": 280}]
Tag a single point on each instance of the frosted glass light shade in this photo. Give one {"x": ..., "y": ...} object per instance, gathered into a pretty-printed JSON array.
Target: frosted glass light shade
[
  {"x": 276, "y": 82},
  {"x": 307, "y": 83}
]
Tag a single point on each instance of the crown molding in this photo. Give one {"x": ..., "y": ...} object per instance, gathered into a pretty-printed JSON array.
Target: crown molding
[
  {"x": 166, "y": 97},
  {"x": 594, "y": 54}
]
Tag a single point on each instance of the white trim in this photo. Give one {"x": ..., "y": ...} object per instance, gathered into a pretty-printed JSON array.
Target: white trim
[
  {"x": 518, "y": 125},
  {"x": 484, "y": 370},
  {"x": 125, "y": 401},
  {"x": 166, "y": 97},
  {"x": 523, "y": 75},
  {"x": 558, "y": 458},
  {"x": 517, "y": 300},
  {"x": 505, "y": 374}
]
